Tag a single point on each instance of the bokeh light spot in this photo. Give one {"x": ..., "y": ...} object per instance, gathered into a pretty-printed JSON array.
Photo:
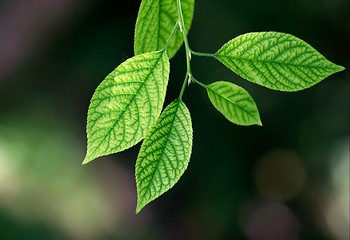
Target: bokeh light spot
[{"x": 280, "y": 175}]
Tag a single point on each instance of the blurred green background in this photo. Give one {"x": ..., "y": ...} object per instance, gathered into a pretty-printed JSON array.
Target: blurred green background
[{"x": 286, "y": 180}]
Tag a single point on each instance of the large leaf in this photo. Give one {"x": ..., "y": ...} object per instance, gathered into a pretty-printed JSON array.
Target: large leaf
[
  {"x": 276, "y": 60},
  {"x": 126, "y": 104},
  {"x": 164, "y": 154},
  {"x": 155, "y": 22},
  {"x": 234, "y": 103}
]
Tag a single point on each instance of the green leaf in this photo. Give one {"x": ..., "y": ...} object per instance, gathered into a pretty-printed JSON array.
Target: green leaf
[
  {"x": 126, "y": 104},
  {"x": 155, "y": 22},
  {"x": 275, "y": 60},
  {"x": 234, "y": 103},
  {"x": 164, "y": 154}
]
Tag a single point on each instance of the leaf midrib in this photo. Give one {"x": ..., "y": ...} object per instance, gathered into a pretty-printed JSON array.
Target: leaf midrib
[
  {"x": 233, "y": 102},
  {"x": 131, "y": 101},
  {"x": 163, "y": 147},
  {"x": 278, "y": 63}
]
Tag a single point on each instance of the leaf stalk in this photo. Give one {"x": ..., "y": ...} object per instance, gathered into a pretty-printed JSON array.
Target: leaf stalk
[
  {"x": 181, "y": 23},
  {"x": 200, "y": 54},
  {"x": 173, "y": 32}
]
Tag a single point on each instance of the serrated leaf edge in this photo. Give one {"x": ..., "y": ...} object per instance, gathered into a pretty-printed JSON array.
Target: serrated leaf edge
[
  {"x": 258, "y": 121},
  {"x": 140, "y": 202}
]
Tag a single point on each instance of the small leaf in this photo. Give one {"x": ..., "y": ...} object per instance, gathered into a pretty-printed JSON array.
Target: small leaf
[
  {"x": 275, "y": 60},
  {"x": 155, "y": 22},
  {"x": 164, "y": 154},
  {"x": 126, "y": 104},
  {"x": 234, "y": 103}
]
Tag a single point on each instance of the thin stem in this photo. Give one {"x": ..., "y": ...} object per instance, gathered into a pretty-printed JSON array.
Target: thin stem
[
  {"x": 171, "y": 36},
  {"x": 188, "y": 76},
  {"x": 199, "y": 83},
  {"x": 202, "y": 54},
  {"x": 181, "y": 23}
]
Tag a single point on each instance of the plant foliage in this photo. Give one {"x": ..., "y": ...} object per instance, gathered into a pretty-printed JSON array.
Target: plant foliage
[
  {"x": 164, "y": 154},
  {"x": 126, "y": 107}
]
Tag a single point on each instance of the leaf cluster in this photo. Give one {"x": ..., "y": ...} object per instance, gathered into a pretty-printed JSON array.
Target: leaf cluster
[{"x": 126, "y": 107}]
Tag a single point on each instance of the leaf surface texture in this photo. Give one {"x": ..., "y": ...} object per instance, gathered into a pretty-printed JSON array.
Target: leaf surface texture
[
  {"x": 155, "y": 22},
  {"x": 164, "y": 154},
  {"x": 126, "y": 104},
  {"x": 234, "y": 103},
  {"x": 275, "y": 60}
]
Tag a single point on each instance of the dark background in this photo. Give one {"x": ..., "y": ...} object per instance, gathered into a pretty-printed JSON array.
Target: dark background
[{"x": 286, "y": 180}]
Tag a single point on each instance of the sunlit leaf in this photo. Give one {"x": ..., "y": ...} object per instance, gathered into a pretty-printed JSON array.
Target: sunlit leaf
[
  {"x": 164, "y": 154},
  {"x": 126, "y": 104},
  {"x": 275, "y": 60},
  {"x": 155, "y": 22},
  {"x": 234, "y": 103}
]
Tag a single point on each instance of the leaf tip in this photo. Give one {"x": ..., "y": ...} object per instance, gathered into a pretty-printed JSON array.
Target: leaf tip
[
  {"x": 257, "y": 121},
  {"x": 137, "y": 210},
  {"x": 86, "y": 160},
  {"x": 139, "y": 207},
  {"x": 339, "y": 68}
]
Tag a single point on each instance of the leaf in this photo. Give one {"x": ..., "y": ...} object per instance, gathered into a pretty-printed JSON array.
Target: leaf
[
  {"x": 164, "y": 154},
  {"x": 275, "y": 60},
  {"x": 234, "y": 103},
  {"x": 126, "y": 104},
  {"x": 155, "y": 22}
]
